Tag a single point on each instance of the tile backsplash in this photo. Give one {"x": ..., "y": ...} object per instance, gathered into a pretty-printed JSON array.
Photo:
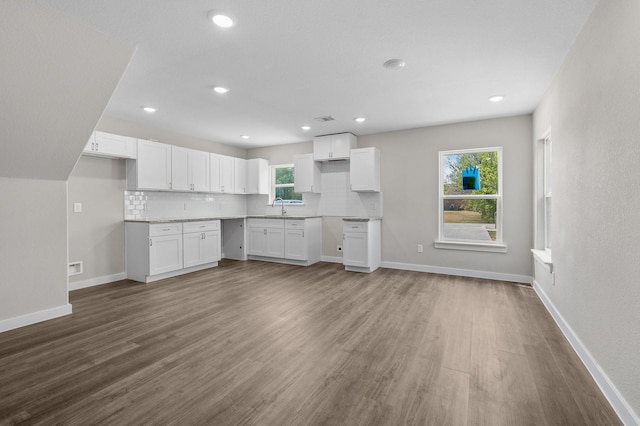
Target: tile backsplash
[{"x": 166, "y": 205}]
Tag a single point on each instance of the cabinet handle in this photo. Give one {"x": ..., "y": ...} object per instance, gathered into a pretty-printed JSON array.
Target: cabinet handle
[
  {"x": 97, "y": 148},
  {"x": 202, "y": 236},
  {"x": 167, "y": 229},
  {"x": 150, "y": 242},
  {"x": 302, "y": 234},
  {"x": 170, "y": 185},
  {"x": 265, "y": 232}
]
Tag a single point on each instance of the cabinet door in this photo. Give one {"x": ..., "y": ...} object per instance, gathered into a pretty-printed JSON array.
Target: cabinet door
[
  {"x": 322, "y": 148},
  {"x": 306, "y": 174},
  {"x": 295, "y": 244},
  {"x": 215, "y": 184},
  {"x": 341, "y": 145},
  {"x": 240, "y": 176},
  {"x": 257, "y": 241},
  {"x": 364, "y": 170},
  {"x": 165, "y": 254},
  {"x": 211, "y": 247},
  {"x": 179, "y": 169},
  {"x": 275, "y": 242},
  {"x": 258, "y": 176},
  {"x": 193, "y": 249},
  {"x": 115, "y": 145},
  {"x": 226, "y": 174},
  {"x": 199, "y": 170},
  {"x": 153, "y": 166},
  {"x": 355, "y": 247}
]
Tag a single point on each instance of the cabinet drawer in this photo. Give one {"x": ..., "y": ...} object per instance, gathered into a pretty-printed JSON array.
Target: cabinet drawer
[
  {"x": 200, "y": 226},
  {"x": 158, "y": 229},
  {"x": 275, "y": 223},
  {"x": 257, "y": 223},
  {"x": 354, "y": 226},
  {"x": 294, "y": 224}
]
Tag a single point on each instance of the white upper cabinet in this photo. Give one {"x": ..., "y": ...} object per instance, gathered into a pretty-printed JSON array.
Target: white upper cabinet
[
  {"x": 152, "y": 169},
  {"x": 307, "y": 175},
  {"x": 258, "y": 176},
  {"x": 221, "y": 173},
  {"x": 364, "y": 173},
  {"x": 179, "y": 169},
  {"x": 198, "y": 165},
  {"x": 103, "y": 144},
  {"x": 189, "y": 170},
  {"x": 239, "y": 175},
  {"x": 333, "y": 147}
]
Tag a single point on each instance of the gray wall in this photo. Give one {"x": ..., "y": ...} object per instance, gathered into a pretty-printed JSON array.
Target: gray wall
[
  {"x": 33, "y": 251},
  {"x": 593, "y": 108},
  {"x": 57, "y": 77},
  {"x": 409, "y": 180},
  {"x": 96, "y": 235}
]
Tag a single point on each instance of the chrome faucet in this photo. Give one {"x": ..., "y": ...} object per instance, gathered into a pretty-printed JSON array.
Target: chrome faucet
[{"x": 281, "y": 203}]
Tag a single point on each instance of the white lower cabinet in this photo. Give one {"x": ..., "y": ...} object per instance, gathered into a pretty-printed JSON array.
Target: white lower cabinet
[
  {"x": 361, "y": 245},
  {"x": 201, "y": 243},
  {"x": 158, "y": 251},
  {"x": 296, "y": 240}
]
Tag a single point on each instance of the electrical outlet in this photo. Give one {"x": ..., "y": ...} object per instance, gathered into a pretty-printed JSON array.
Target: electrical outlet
[
  {"x": 339, "y": 248},
  {"x": 77, "y": 207},
  {"x": 420, "y": 248}
]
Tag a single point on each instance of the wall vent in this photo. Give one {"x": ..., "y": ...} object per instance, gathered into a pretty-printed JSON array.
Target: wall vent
[{"x": 324, "y": 119}]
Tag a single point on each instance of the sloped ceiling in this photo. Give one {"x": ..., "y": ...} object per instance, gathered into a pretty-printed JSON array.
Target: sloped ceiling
[{"x": 56, "y": 79}]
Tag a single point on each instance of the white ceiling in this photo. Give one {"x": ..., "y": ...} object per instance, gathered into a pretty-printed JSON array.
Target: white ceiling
[{"x": 288, "y": 61}]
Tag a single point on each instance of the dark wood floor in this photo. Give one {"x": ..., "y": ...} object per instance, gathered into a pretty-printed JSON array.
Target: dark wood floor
[{"x": 269, "y": 344}]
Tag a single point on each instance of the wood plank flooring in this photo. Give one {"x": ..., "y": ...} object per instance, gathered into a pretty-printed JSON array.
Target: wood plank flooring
[{"x": 268, "y": 344}]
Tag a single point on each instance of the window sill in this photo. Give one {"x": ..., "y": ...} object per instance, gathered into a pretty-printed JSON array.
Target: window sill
[
  {"x": 543, "y": 257},
  {"x": 469, "y": 246}
]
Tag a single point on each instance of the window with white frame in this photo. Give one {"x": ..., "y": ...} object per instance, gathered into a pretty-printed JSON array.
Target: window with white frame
[
  {"x": 282, "y": 185},
  {"x": 470, "y": 202}
]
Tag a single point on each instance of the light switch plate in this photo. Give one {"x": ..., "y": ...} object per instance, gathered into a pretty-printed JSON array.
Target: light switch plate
[{"x": 77, "y": 207}]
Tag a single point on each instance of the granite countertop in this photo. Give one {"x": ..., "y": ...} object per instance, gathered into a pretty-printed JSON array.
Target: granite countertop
[
  {"x": 184, "y": 219},
  {"x": 197, "y": 219},
  {"x": 278, "y": 216},
  {"x": 361, "y": 219}
]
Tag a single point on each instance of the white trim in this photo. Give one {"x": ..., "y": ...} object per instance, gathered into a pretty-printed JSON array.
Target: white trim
[
  {"x": 331, "y": 259},
  {"x": 617, "y": 401},
  {"x": 34, "y": 317},
  {"x": 178, "y": 272},
  {"x": 499, "y": 276},
  {"x": 465, "y": 245},
  {"x": 97, "y": 281}
]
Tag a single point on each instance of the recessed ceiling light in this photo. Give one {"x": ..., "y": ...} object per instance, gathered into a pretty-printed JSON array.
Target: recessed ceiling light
[
  {"x": 149, "y": 109},
  {"x": 360, "y": 119},
  {"x": 394, "y": 64},
  {"x": 244, "y": 136},
  {"x": 221, "y": 19},
  {"x": 220, "y": 89},
  {"x": 496, "y": 98},
  {"x": 305, "y": 128}
]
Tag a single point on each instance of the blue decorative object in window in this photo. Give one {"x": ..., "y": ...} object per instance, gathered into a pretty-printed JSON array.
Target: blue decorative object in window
[{"x": 471, "y": 178}]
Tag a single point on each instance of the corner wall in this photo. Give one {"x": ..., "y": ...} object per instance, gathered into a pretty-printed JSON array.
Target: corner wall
[
  {"x": 33, "y": 251},
  {"x": 593, "y": 109}
]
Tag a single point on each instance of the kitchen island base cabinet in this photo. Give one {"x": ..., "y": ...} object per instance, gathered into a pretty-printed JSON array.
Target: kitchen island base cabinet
[
  {"x": 291, "y": 241},
  {"x": 157, "y": 251},
  {"x": 361, "y": 245}
]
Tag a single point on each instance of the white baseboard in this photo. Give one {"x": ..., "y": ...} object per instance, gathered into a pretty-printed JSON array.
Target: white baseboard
[
  {"x": 331, "y": 259},
  {"x": 97, "y": 281},
  {"x": 617, "y": 401},
  {"x": 34, "y": 317},
  {"x": 524, "y": 279}
]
